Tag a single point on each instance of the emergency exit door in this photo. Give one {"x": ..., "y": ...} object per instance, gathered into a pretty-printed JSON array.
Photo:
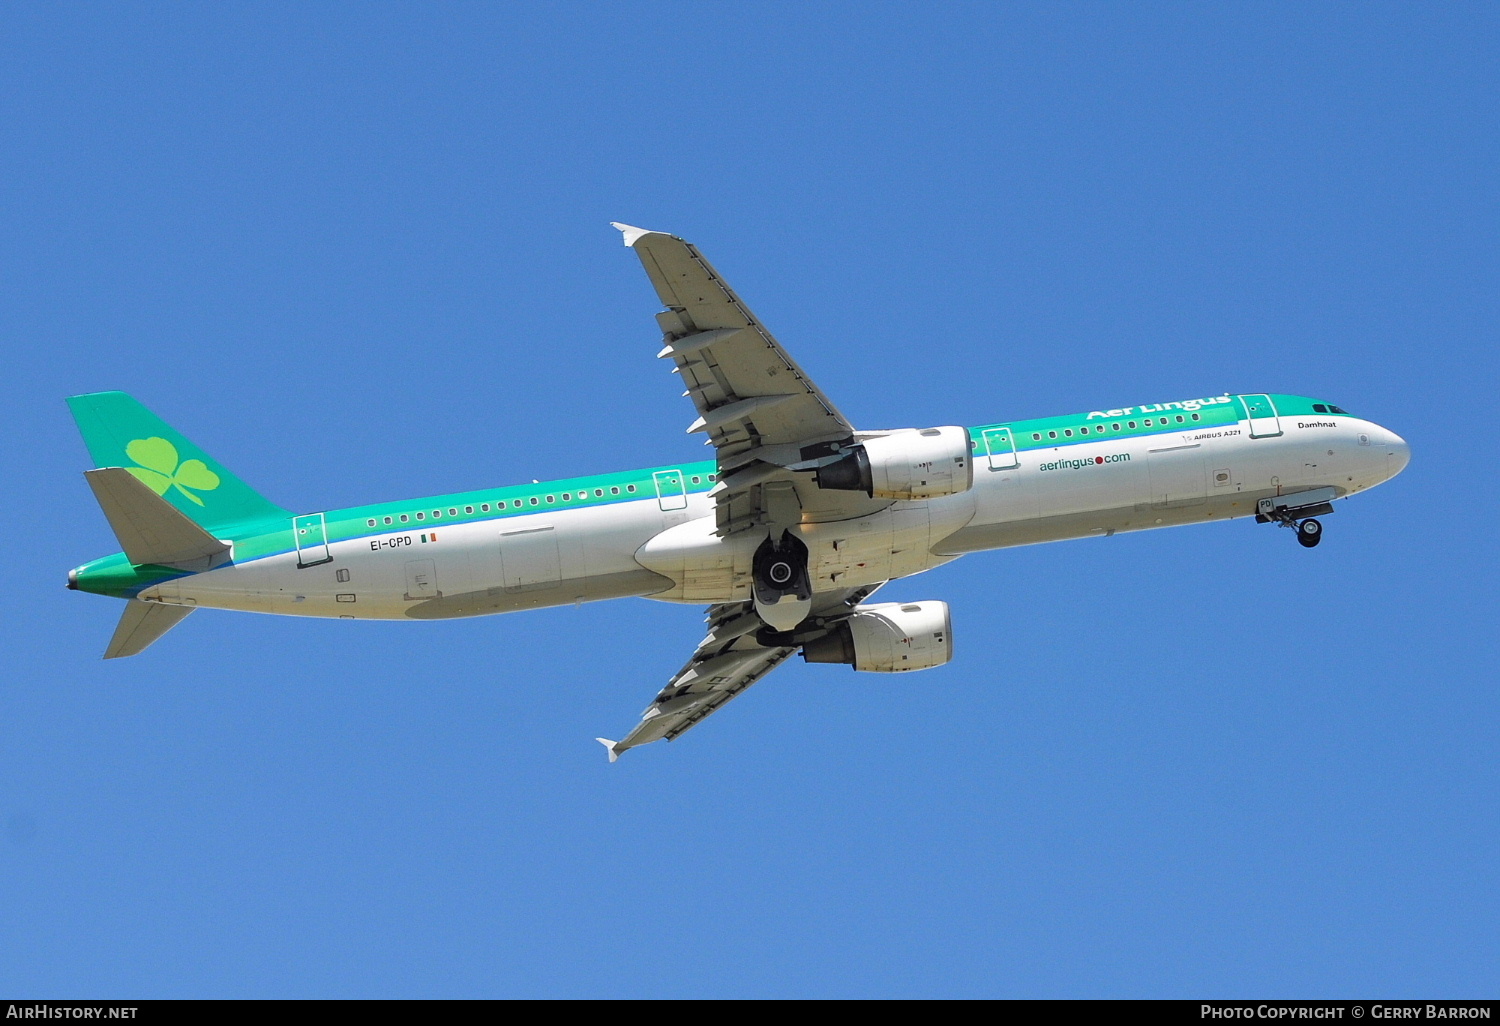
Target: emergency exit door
[{"x": 671, "y": 489}]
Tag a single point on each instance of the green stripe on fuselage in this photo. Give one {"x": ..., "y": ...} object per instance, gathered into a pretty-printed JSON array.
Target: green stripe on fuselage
[{"x": 114, "y": 575}]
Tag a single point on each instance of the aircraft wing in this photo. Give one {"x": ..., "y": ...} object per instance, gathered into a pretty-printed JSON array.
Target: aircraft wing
[
  {"x": 764, "y": 416},
  {"x": 727, "y": 662}
]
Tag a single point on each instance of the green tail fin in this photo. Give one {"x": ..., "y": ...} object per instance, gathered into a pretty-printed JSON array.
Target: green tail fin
[{"x": 120, "y": 432}]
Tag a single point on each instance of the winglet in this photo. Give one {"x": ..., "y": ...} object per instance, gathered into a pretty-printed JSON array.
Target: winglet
[
  {"x": 609, "y": 746},
  {"x": 632, "y": 234}
]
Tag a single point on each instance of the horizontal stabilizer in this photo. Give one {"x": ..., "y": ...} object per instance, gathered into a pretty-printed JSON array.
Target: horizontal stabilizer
[
  {"x": 150, "y": 529},
  {"x": 609, "y": 746},
  {"x": 141, "y": 624}
]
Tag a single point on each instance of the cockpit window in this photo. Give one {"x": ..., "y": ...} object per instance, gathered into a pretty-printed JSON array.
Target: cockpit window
[{"x": 1329, "y": 408}]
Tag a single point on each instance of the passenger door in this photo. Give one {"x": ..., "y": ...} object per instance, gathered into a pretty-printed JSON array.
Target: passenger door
[
  {"x": 1000, "y": 447},
  {"x": 1260, "y": 411},
  {"x": 310, "y": 535}
]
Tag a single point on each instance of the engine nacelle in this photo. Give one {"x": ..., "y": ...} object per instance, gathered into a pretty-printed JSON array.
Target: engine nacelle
[
  {"x": 908, "y": 464},
  {"x": 888, "y": 637}
]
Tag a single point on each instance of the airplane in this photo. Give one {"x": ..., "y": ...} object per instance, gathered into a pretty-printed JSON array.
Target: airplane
[{"x": 784, "y": 535}]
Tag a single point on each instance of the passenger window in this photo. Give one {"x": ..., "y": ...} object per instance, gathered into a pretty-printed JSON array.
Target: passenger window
[
  {"x": 1051, "y": 434},
  {"x": 484, "y": 508},
  {"x": 388, "y": 520},
  {"x": 1179, "y": 418},
  {"x": 1036, "y": 436},
  {"x": 1195, "y": 416},
  {"x": 533, "y": 500},
  {"x": 370, "y": 523},
  {"x": 419, "y": 516},
  {"x": 695, "y": 479},
  {"x": 598, "y": 492},
  {"x": 404, "y": 518},
  {"x": 470, "y": 509},
  {"x": 630, "y": 488},
  {"x": 1115, "y": 426},
  {"x": 1068, "y": 432},
  {"x": 437, "y": 514},
  {"x": 614, "y": 490},
  {"x": 453, "y": 512}
]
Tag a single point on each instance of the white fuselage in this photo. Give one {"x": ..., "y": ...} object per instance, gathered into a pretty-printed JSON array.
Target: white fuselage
[{"x": 637, "y": 548}]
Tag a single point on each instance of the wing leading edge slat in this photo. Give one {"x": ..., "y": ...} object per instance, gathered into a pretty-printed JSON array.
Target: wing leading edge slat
[
  {"x": 727, "y": 662},
  {"x": 769, "y": 424},
  {"x": 757, "y": 406}
]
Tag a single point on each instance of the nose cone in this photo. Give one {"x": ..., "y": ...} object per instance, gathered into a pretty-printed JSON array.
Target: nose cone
[{"x": 1397, "y": 454}]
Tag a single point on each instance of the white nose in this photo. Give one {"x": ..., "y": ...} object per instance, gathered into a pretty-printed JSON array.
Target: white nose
[{"x": 1397, "y": 454}]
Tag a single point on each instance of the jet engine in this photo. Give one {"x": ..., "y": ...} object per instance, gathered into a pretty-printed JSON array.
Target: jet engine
[
  {"x": 908, "y": 464},
  {"x": 888, "y": 637}
]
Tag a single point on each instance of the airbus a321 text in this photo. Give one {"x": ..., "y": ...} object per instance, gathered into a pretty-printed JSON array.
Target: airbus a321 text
[{"x": 785, "y": 535}]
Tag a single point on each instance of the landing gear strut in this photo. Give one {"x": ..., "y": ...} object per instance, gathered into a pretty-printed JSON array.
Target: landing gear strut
[{"x": 1298, "y": 517}]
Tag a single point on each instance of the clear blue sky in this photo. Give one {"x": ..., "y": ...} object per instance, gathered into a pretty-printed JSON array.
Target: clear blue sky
[{"x": 362, "y": 253}]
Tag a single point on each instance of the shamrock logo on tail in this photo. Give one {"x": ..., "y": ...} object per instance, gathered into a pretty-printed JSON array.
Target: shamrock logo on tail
[{"x": 159, "y": 469}]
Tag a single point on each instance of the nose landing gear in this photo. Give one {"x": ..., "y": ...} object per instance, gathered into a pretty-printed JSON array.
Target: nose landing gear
[
  {"x": 1309, "y": 533},
  {"x": 1297, "y": 512}
]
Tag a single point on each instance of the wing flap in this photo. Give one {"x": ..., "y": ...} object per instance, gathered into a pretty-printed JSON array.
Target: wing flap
[
  {"x": 723, "y": 352},
  {"x": 699, "y": 689},
  {"x": 727, "y": 662},
  {"x": 760, "y": 410}
]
